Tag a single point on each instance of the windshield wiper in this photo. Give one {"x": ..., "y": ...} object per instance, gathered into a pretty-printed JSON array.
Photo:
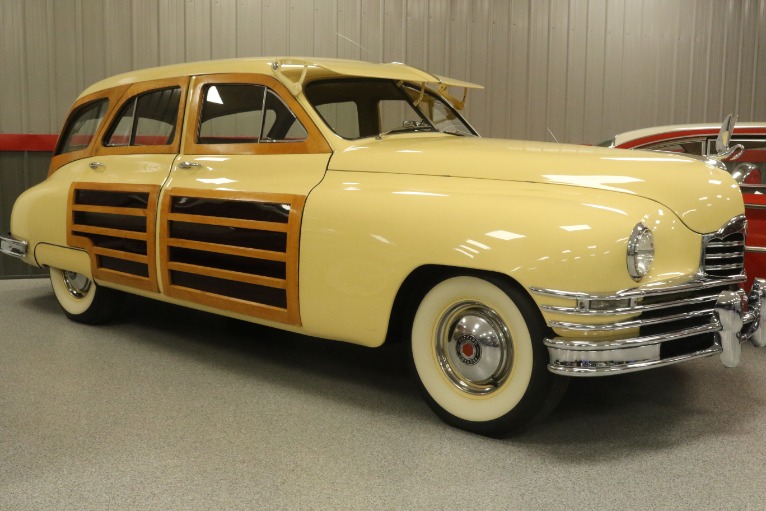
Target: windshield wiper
[{"x": 408, "y": 127}]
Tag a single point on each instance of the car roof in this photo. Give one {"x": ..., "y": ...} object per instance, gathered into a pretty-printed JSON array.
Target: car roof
[
  {"x": 290, "y": 70},
  {"x": 685, "y": 130}
]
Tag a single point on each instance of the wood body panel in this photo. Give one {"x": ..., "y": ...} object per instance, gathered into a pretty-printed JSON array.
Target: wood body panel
[
  {"x": 92, "y": 238},
  {"x": 238, "y": 285}
]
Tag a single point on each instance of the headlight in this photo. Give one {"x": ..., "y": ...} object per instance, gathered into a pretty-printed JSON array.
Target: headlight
[{"x": 640, "y": 251}]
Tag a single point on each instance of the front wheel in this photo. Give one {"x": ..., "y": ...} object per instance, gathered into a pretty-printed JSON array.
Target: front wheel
[
  {"x": 477, "y": 349},
  {"x": 82, "y": 299}
]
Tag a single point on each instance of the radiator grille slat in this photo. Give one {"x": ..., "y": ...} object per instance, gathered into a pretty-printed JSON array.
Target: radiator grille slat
[{"x": 724, "y": 256}]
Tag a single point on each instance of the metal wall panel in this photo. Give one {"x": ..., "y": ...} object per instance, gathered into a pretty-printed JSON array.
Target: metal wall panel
[
  {"x": 18, "y": 171},
  {"x": 581, "y": 70}
]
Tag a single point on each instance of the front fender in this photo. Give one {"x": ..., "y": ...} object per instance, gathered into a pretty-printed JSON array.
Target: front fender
[{"x": 364, "y": 233}]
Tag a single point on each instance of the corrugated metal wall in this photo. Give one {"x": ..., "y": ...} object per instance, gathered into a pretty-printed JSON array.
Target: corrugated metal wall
[{"x": 580, "y": 69}]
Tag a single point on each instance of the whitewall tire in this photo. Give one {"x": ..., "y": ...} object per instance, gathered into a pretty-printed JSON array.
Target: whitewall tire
[
  {"x": 477, "y": 350},
  {"x": 82, "y": 299}
]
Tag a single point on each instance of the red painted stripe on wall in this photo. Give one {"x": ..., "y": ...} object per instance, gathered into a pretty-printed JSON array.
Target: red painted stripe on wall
[{"x": 27, "y": 142}]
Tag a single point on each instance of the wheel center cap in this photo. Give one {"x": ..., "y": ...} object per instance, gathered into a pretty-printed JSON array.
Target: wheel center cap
[{"x": 468, "y": 349}]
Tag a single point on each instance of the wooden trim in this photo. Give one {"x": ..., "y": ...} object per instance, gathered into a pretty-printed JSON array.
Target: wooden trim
[
  {"x": 106, "y": 274},
  {"x": 136, "y": 89},
  {"x": 112, "y": 95},
  {"x": 121, "y": 254},
  {"x": 314, "y": 143},
  {"x": 107, "y": 231},
  {"x": 238, "y": 276},
  {"x": 228, "y": 222},
  {"x": 244, "y": 307},
  {"x": 291, "y": 314},
  {"x": 110, "y": 210},
  {"x": 254, "y": 253}
]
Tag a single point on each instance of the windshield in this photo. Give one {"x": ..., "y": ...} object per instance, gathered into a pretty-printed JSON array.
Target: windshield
[{"x": 359, "y": 108}]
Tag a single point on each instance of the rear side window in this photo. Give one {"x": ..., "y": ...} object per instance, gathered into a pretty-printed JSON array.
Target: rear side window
[
  {"x": 82, "y": 126},
  {"x": 147, "y": 119}
]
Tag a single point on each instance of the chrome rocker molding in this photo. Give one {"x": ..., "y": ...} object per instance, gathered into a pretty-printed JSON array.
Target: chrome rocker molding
[
  {"x": 734, "y": 319},
  {"x": 12, "y": 246}
]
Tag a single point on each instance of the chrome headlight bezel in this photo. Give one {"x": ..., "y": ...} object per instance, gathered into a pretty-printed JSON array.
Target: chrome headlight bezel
[{"x": 640, "y": 252}]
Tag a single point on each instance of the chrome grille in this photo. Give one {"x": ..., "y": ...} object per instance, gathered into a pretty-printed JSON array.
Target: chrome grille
[{"x": 724, "y": 256}]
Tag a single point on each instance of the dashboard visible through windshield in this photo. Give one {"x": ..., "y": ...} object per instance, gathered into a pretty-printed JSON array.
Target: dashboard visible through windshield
[{"x": 360, "y": 108}]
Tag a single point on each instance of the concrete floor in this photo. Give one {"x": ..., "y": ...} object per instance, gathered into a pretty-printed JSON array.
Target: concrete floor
[{"x": 175, "y": 409}]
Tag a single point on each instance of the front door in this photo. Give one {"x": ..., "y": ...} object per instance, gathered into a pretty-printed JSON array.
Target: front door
[{"x": 230, "y": 213}]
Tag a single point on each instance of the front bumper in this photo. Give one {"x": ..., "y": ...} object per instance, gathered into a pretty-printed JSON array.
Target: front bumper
[
  {"x": 12, "y": 246},
  {"x": 659, "y": 327}
]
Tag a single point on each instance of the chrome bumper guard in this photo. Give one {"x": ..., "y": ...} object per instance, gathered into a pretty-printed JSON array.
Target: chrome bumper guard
[
  {"x": 714, "y": 310},
  {"x": 12, "y": 246}
]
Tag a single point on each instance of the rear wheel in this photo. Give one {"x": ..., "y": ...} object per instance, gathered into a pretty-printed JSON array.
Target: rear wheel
[
  {"x": 477, "y": 350},
  {"x": 82, "y": 299}
]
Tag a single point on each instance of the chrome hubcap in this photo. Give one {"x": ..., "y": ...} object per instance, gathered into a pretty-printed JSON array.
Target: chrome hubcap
[
  {"x": 77, "y": 284},
  {"x": 474, "y": 348}
]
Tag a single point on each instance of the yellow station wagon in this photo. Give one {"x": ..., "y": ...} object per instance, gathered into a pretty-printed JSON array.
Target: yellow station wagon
[{"x": 351, "y": 201}]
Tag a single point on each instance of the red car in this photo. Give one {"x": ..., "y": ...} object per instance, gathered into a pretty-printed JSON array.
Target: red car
[{"x": 748, "y": 167}]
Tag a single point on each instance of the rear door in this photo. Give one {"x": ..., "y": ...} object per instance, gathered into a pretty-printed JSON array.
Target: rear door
[
  {"x": 113, "y": 198},
  {"x": 230, "y": 213}
]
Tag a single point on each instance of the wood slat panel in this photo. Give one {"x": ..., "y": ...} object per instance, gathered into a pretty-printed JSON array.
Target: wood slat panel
[
  {"x": 267, "y": 312},
  {"x": 247, "y": 278},
  {"x": 228, "y": 222},
  {"x": 220, "y": 299},
  {"x": 121, "y": 254},
  {"x": 110, "y": 210},
  {"x": 105, "y": 231},
  {"x": 228, "y": 249}
]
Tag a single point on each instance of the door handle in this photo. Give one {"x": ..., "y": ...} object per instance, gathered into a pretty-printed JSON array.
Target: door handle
[
  {"x": 95, "y": 165},
  {"x": 188, "y": 165}
]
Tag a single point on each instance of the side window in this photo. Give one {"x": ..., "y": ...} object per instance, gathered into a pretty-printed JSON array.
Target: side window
[
  {"x": 231, "y": 114},
  {"x": 280, "y": 123},
  {"x": 245, "y": 113},
  {"x": 82, "y": 126},
  {"x": 147, "y": 119}
]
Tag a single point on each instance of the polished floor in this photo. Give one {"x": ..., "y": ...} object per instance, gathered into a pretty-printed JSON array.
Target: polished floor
[{"x": 171, "y": 409}]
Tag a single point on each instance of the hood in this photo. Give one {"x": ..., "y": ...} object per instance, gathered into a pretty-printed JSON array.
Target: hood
[{"x": 704, "y": 198}]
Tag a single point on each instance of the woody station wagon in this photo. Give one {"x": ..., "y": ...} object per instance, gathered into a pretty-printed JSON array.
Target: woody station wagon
[{"x": 351, "y": 201}]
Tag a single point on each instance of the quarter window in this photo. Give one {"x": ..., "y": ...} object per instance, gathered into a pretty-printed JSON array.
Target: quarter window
[
  {"x": 147, "y": 119},
  {"x": 82, "y": 126}
]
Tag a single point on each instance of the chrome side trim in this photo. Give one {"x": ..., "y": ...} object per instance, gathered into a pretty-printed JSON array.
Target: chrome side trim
[
  {"x": 624, "y": 325},
  {"x": 13, "y": 247},
  {"x": 629, "y": 367},
  {"x": 632, "y": 309},
  {"x": 654, "y": 289},
  {"x": 759, "y": 250},
  {"x": 562, "y": 343}
]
